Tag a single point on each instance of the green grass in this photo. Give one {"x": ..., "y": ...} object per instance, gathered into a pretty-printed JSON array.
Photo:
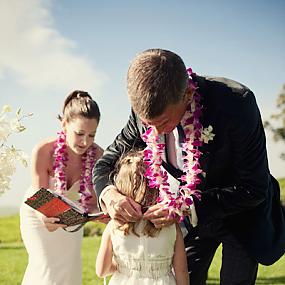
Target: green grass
[
  {"x": 13, "y": 261},
  {"x": 10, "y": 229}
]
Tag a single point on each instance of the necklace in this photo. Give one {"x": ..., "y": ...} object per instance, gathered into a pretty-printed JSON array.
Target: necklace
[
  {"x": 195, "y": 136},
  {"x": 59, "y": 165}
]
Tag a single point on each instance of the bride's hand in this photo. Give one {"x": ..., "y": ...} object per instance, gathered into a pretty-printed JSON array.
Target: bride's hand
[{"x": 52, "y": 223}]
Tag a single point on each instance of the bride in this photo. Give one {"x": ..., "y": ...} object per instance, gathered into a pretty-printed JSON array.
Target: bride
[{"x": 64, "y": 165}]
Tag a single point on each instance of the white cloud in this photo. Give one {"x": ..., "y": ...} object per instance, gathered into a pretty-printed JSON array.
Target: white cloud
[{"x": 36, "y": 53}]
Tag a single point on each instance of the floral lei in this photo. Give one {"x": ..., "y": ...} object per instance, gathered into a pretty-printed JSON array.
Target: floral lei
[
  {"x": 60, "y": 159},
  {"x": 195, "y": 136}
]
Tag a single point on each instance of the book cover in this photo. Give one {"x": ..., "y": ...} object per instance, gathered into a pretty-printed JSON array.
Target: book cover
[{"x": 54, "y": 205}]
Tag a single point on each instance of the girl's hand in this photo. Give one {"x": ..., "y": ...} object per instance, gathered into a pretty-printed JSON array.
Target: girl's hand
[{"x": 51, "y": 223}]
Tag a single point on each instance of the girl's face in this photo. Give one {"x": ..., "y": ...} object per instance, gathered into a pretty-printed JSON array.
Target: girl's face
[{"x": 80, "y": 133}]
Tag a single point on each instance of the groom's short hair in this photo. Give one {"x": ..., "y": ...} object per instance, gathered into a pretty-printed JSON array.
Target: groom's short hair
[{"x": 156, "y": 78}]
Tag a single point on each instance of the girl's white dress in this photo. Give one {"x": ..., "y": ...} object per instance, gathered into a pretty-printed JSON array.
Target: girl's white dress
[
  {"x": 143, "y": 260},
  {"x": 54, "y": 257}
]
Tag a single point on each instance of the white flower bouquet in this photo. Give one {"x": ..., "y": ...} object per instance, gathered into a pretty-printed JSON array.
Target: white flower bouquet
[{"x": 9, "y": 154}]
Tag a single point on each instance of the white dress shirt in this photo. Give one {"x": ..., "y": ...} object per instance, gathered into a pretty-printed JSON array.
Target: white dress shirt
[{"x": 174, "y": 151}]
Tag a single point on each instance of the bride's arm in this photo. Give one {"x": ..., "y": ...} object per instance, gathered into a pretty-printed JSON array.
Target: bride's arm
[
  {"x": 40, "y": 165},
  {"x": 41, "y": 161}
]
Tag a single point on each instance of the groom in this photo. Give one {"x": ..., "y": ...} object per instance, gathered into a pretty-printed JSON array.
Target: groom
[{"x": 240, "y": 201}]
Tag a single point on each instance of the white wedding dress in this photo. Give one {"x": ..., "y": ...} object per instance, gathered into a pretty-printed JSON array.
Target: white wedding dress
[
  {"x": 54, "y": 257},
  {"x": 143, "y": 260}
]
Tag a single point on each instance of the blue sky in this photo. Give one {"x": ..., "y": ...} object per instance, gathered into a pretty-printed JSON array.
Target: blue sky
[{"x": 48, "y": 48}]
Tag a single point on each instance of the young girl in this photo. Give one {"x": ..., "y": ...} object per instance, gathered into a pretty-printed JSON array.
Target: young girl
[
  {"x": 138, "y": 253},
  {"x": 63, "y": 164}
]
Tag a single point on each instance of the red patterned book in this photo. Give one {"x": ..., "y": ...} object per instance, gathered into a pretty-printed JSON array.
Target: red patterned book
[{"x": 54, "y": 205}]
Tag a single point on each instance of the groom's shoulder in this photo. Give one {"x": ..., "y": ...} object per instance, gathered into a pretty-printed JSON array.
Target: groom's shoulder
[
  {"x": 223, "y": 86},
  {"x": 226, "y": 95}
]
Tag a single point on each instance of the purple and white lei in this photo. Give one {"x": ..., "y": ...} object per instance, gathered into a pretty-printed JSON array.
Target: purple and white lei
[
  {"x": 195, "y": 136},
  {"x": 59, "y": 165}
]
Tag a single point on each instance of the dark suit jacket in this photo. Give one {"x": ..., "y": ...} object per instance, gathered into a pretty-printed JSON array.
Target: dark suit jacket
[{"x": 238, "y": 187}]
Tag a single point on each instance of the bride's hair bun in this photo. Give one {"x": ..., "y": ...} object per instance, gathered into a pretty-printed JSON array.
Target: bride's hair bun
[{"x": 79, "y": 103}]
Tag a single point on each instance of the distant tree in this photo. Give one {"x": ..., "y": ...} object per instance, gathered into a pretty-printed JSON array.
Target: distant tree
[{"x": 278, "y": 128}]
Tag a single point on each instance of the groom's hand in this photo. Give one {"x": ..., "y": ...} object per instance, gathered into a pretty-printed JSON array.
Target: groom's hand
[
  {"x": 121, "y": 208},
  {"x": 159, "y": 216}
]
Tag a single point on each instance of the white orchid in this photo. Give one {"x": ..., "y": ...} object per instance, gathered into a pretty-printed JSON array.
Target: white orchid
[
  {"x": 6, "y": 109},
  {"x": 9, "y": 154},
  {"x": 4, "y": 129},
  {"x": 16, "y": 126},
  {"x": 207, "y": 134}
]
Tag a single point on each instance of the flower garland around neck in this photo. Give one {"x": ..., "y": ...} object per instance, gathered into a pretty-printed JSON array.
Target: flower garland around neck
[
  {"x": 59, "y": 165},
  {"x": 195, "y": 136}
]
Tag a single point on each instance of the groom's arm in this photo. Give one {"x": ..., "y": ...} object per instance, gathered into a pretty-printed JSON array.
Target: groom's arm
[{"x": 128, "y": 139}]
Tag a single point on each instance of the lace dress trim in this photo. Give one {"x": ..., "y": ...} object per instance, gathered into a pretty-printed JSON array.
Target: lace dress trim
[{"x": 154, "y": 268}]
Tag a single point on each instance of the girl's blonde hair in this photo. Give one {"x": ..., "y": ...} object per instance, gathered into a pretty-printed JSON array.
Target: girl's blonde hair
[{"x": 130, "y": 181}]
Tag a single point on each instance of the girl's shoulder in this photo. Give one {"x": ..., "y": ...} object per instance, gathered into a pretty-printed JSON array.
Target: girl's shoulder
[{"x": 109, "y": 229}]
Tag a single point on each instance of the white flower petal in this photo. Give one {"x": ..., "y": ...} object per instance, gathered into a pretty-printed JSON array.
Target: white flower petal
[{"x": 6, "y": 109}]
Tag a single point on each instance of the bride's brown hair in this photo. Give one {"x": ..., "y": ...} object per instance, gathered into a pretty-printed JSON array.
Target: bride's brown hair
[
  {"x": 130, "y": 181},
  {"x": 79, "y": 103}
]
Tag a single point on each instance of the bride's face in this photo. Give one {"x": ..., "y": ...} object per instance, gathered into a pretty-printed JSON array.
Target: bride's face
[{"x": 80, "y": 133}]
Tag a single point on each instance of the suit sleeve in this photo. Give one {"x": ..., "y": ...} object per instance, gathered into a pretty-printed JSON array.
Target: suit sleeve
[
  {"x": 128, "y": 139},
  {"x": 249, "y": 158}
]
